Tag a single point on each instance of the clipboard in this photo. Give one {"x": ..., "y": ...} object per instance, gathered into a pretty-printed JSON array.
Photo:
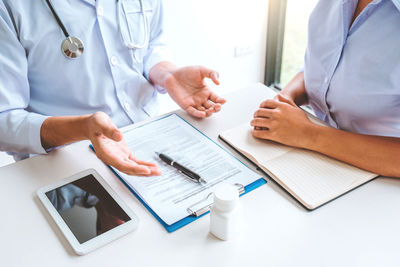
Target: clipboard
[
  {"x": 196, "y": 214},
  {"x": 196, "y": 210}
]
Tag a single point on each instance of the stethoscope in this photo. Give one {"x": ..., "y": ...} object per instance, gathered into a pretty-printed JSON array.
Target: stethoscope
[{"x": 73, "y": 47}]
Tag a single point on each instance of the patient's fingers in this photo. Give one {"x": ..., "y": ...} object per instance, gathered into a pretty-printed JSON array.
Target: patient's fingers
[
  {"x": 264, "y": 112},
  {"x": 261, "y": 122},
  {"x": 261, "y": 134},
  {"x": 270, "y": 103},
  {"x": 284, "y": 99}
]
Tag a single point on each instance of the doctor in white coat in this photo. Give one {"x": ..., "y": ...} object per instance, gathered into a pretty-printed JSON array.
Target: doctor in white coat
[{"x": 80, "y": 69}]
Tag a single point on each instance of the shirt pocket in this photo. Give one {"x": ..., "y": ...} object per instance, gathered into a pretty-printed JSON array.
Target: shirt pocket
[{"x": 135, "y": 24}]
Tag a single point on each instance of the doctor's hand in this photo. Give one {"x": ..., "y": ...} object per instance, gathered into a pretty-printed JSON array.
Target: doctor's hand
[
  {"x": 188, "y": 89},
  {"x": 110, "y": 147},
  {"x": 282, "y": 121}
]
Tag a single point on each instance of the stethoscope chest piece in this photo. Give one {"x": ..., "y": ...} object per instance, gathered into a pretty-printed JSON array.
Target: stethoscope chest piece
[{"x": 72, "y": 47}]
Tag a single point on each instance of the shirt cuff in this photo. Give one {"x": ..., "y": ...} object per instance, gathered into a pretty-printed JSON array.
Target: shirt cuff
[
  {"x": 35, "y": 141},
  {"x": 160, "y": 90},
  {"x": 156, "y": 55}
]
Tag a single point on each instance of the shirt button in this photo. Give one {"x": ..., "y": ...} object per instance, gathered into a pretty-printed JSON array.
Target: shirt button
[
  {"x": 127, "y": 106},
  {"x": 326, "y": 80},
  {"x": 114, "y": 60},
  {"x": 100, "y": 10}
]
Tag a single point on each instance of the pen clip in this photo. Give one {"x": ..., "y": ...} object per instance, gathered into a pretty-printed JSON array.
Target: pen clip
[{"x": 188, "y": 176}]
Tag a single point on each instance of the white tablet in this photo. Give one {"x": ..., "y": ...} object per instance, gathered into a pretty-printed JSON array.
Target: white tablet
[{"x": 87, "y": 211}]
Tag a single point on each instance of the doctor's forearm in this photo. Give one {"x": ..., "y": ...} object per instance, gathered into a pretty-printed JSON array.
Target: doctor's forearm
[
  {"x": 373, "y": 153},
  {"x": 296, "y": 90},
  {"x": 62, "y": 130}
]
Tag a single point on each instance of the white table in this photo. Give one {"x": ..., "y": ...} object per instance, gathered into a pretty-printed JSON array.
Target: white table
[{"x": 358, "y": 229}]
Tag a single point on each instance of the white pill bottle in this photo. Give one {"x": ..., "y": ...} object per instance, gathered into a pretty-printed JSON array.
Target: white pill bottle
[{"x": 226, "y": 214}]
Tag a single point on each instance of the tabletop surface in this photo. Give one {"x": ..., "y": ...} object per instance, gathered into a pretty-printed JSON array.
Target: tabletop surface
[{"x": 360, "y": 228}]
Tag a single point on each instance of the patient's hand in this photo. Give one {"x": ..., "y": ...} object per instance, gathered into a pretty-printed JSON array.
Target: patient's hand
[{"x": 282, "y": 121}]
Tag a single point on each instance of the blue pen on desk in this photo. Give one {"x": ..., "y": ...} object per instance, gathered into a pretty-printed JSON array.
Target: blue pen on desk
[{"x": 190, "y": 174}]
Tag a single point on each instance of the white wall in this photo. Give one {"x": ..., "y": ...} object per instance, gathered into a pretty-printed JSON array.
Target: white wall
[{"x": 207, "y": 32}]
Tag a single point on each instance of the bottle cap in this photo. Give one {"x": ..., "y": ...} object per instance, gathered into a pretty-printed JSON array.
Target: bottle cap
[{"x": 226, "y": 197}]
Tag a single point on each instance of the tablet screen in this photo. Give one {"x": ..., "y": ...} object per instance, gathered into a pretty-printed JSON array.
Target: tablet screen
[{"x": 87, "y": 208}]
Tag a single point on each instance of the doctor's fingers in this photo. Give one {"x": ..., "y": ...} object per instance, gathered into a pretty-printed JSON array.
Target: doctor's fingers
[
  {"x": 130, "y": 167},
  {"x": 141, "y": 162},
  {"x": 209, "y": 73},
  {"x": 155, "y": 170},
  {"x": 195, "y": 112},
  {"x": 208, "y": 108},
  {"x": 211, "y": 107},
  {"x": 216, "y": 99}
]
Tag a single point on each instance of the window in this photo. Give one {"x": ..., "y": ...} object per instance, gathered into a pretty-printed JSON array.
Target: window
[{"x": 287, "y": 39}]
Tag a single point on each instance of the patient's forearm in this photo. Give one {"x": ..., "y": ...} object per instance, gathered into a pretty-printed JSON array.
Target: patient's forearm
[
  {"x": 58, "y": 131},
  {"x": 296, "y": 90},
  {"x": 374, "y": 153}
]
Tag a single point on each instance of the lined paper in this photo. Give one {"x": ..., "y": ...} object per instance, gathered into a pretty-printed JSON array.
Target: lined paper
[
  {"x": 261, "y": 150},
  {"x": 310, "y": 177},
  {"x": 314, "y": 177}
]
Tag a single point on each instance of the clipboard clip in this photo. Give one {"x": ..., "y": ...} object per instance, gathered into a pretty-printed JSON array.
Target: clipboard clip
[{"x": 198, "y": 212}]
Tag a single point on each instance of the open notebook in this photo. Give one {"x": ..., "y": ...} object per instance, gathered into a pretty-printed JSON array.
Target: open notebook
[{"x": 312, "y": 178}]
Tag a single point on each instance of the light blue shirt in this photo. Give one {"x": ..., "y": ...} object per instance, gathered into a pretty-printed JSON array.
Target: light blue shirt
[
  {"x": 37, "y": 80},
  {"x": 352, "y": 74}
]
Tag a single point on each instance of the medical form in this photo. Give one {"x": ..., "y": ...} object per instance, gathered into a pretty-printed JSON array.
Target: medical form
[{"x": 170, "y": 194}]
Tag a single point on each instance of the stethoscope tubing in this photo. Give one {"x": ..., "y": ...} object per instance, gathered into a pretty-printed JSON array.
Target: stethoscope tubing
[
  {"x": 59, "y": 22},
  {"x": 78, "y": 44},
  {"x": 145, "y": 26}
]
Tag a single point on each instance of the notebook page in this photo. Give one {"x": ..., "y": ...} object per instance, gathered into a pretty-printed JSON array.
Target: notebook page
[
  {"x": 260, "y": 151},
  {"x": 172, "y": 193},
  {"x": 314, "y": 178}
]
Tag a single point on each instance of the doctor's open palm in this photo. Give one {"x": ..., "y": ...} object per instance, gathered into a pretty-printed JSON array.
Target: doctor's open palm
[
  {"x": 187, "y": 87},
  {"x": 110, "y": 147}
]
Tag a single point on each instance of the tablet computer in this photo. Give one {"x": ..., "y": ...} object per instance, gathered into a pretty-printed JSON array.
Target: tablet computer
[{"x": 87, "y": 211}]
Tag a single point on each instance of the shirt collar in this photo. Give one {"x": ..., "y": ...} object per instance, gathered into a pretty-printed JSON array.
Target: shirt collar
[{"x": 396, "y": 3}]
